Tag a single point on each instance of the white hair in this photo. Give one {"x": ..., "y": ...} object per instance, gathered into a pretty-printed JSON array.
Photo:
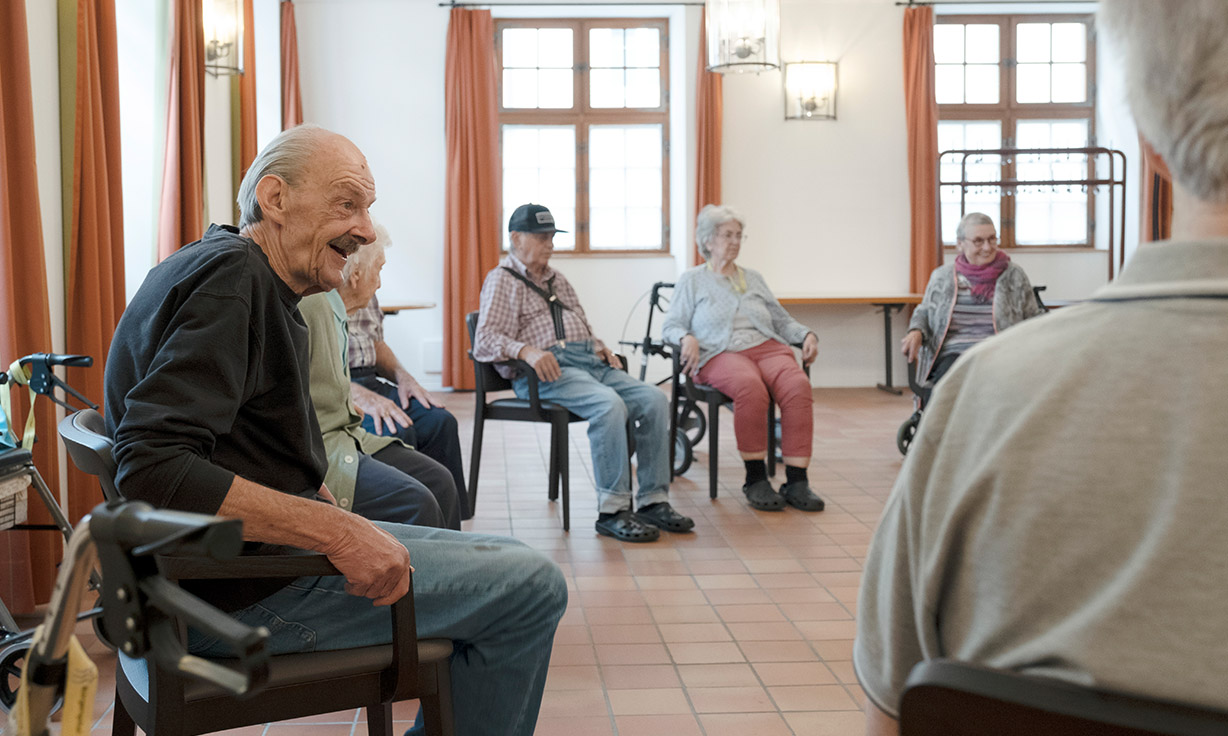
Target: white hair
[
  {"x": 972, "y": 218},
  {"x": 1176, "y": 70},
  {"x": 710, "y": 218},
  {"x": 366, "y": 253},
  {"x": 286, "y": 156}
]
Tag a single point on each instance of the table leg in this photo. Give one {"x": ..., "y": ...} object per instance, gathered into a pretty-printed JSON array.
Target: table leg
[{"x": 887, "y": 310}]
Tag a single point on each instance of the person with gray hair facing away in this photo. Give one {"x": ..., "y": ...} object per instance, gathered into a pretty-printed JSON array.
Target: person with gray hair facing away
[
  {"x": 208, "y": 401},
  {"x": 391, "y": 400},
  {"x": 1061, "y": 511},
  {"x": 735, "y": 336},
  {"x": 982, "y": 293}
]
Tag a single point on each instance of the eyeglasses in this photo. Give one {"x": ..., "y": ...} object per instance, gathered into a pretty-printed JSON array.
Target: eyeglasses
[
  {"x": 730, "y": 235},
  {"x": 978, "y": 242}
]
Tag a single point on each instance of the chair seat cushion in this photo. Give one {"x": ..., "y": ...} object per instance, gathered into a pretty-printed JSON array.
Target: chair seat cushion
[
  {"x": 292, "y": 669},
  {"x": 522, "y": 410}
]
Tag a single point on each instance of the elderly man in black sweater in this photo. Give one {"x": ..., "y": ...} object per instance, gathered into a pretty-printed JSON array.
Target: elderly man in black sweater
[{"x": 207, "y": 399}]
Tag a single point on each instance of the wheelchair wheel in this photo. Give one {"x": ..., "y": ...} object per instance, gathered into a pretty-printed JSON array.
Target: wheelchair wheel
[
  {"x": 908, "y": 430},
  {"x": 12, "y": 660},
  {"x": 693, "y": 422},
  {"x": 683, "y": 455}
]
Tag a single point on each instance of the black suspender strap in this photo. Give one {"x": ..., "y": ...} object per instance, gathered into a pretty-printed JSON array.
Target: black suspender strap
[{"x": 556, "y": 306}]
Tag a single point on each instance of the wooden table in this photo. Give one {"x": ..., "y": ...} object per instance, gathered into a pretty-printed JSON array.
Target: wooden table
[
  {"x": 391, "y": 309},
  {"x": 888, "y": 304}
]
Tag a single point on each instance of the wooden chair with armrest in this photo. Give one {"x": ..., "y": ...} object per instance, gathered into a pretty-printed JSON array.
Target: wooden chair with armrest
[
  {"x": 162, "y": 701},
  {"x": 948, "y": 698}
]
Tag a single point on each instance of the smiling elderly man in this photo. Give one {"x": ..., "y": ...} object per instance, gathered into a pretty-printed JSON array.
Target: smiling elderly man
[
  {"x": 208, "y": 402},
  {"x": 531, "y": 312}
]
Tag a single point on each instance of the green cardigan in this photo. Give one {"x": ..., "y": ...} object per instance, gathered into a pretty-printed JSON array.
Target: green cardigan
[{"x": 340, "y": 423}]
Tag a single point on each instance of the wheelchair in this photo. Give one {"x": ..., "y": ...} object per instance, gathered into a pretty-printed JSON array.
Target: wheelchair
[{"x": 921, "y": 393}]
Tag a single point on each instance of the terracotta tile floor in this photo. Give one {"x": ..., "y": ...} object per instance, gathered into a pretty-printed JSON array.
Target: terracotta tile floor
[{"x": 743, "y": 627}]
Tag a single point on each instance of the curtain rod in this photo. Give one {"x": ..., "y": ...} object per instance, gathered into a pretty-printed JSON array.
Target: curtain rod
[{"x": 582, "y": 3}]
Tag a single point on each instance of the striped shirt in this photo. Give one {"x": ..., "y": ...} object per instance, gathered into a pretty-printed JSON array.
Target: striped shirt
[
  {"x": 366, "y": 329},
  {"x": 971, "y": 321},
  {"x": 513, "y": 315}
]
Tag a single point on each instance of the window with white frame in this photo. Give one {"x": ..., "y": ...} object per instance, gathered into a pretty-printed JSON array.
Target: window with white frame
[
  {"x": 1022, "y": 81},
  {"x": 583, "y": 119}
]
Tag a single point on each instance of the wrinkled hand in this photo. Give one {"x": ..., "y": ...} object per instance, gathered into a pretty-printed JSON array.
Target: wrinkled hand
[
  {"x": 689, "y": 354},
  {"x": 911, "y": 345},
  {"x": 609, "y": 356},
  {"x": 408, "y": 387},
  {"x": 810, "y": 349},
  {"x": 374, "y": 563},
  {"x": 544, "y": 364},
  {"x": 385, "y": 411}
]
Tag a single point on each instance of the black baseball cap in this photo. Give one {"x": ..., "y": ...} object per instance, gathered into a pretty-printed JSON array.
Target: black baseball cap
[{"x": 532, "y": 218}]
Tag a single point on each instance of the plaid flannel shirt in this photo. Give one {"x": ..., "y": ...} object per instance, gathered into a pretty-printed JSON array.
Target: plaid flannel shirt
[
  {"x": 366, "y": 329},
  {"x": 513, "y": 315}
]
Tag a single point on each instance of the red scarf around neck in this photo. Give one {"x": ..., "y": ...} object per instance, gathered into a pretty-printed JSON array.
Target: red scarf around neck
[{"x": 982, "y": 279}]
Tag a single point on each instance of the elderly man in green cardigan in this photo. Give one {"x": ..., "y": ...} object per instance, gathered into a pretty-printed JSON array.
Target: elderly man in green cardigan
[{"x": 377, "y": 477}]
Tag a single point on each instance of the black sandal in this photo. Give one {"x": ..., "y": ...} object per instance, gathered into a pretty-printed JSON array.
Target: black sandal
[
  {"x": 663, "y": 516},
  {"x": 625, "y": 527},
  {"x": 760, "y": 495}
]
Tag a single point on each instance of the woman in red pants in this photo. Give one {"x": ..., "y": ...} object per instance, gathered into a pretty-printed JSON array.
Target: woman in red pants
[{"x": 735, "y": 337}]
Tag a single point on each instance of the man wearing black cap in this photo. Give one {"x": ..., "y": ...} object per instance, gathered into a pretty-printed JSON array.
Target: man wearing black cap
[{"x": 530, "y": 312}]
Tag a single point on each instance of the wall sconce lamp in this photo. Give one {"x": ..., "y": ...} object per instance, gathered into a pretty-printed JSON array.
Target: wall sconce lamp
[
  {"x": 810, "y": 90},
  {"x": 743, "y": 35},
  {"x": 223, "y": 22}
]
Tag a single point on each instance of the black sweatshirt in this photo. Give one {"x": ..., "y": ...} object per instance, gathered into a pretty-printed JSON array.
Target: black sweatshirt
[{"x": 208, "y": 378}]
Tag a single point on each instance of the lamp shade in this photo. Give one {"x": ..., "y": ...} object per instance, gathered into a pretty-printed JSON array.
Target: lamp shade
[
  {"x": 743, "y": 35},
  {"x": 810, "y": 90},
  {"x": 223, "y": 21}
]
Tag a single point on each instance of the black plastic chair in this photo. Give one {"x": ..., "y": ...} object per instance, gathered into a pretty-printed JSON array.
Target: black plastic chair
[
  {"x": 947, "y": 698},
  {"x": 713, "y": 399},
  {"x": 487, "y": 381},
  {"x": 162, "y": 701}
]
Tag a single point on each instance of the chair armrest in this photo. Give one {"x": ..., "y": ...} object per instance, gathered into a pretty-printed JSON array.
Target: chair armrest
[
  {"x": 523, "y": 367},
  {"x": 399, "y": 681}
]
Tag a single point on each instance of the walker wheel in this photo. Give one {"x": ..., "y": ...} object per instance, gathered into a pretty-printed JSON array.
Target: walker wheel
[
  {"x": 693, "y": 422},
  {"x": 908, "y": 430},
  {"x": 683, "y": 455},
  {"x": 12, "y": 660}
]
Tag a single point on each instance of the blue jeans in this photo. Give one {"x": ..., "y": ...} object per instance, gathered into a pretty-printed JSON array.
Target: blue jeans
[
  {"x": 606, "y": 397},
  {"x": 498, "y": 599}
]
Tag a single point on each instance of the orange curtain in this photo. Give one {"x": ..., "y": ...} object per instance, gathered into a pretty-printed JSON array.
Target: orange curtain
[
  {"x": 921, "y": 114},
  {"x": 471, "y": 206},
  {"x": 1156, "y": 193},
  {"x": 709, "y": 107},
  {"x": 291, "y": 96},
  {"x": 95, "y": 244},
  {"x": 27, "y": 559},
  {"x": 247, "y": 94},
  {"x": 182, "y": 218}
]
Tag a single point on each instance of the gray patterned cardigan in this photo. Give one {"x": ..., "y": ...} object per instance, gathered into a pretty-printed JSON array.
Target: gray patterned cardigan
[
  {"x": 703, "y": 305},
  {"x": 1013, "y": 302}
]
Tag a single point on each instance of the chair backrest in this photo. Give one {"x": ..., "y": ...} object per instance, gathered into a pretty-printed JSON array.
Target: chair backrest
[
  {"x": 85, "y": 436},
  {"x": 485, "y": 376},
  {"x": 946, "y": 698}
]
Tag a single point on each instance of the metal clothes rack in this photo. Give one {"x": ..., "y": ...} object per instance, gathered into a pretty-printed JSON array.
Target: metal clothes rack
[{"x": 1114, "y": 180}]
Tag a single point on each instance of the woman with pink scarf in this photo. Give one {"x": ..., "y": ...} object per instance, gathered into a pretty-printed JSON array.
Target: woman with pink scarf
[{"x": 977, "y": 296}]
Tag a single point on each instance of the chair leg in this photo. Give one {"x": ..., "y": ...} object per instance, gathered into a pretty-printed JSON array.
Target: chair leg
[
  {"x": 379, "y": 719},
  {"x": 714, "y": 423},
  {"x": 475, "y": 459},
  {"x": 437, "y": 715},
  {"x": 771, "y": 458},
  {"x": 553, "y": 483},
  {"x": 121, "y": 720},
  {"x": 564, "y": 473},
  {"x": 673, "y": 426}
]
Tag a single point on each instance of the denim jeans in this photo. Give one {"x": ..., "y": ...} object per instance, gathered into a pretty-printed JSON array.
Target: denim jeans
[
  {"x": 498, "y": 599},
  {"x": 606, "y": 397}
]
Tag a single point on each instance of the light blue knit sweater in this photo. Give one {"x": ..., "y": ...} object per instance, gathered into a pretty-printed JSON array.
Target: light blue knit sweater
[{"x": 703, "y": 305}]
